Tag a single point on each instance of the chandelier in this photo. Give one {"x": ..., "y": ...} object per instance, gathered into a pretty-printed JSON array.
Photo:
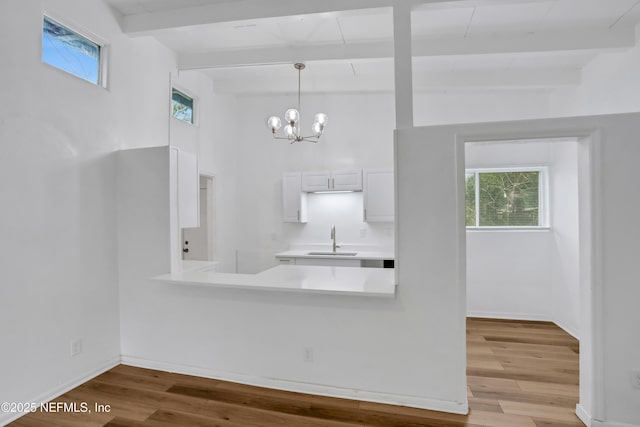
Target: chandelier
[{"x": 292, "y": 120}]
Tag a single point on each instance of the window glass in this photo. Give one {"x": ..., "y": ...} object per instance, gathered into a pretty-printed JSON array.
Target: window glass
[
  {"x": 509, "y": 199},
  {"x": 470, "y": 190},
  {"x": 182, "y": 106},
  {"x": 69, "y": 51},
  {"x": 504, "y": 198}
]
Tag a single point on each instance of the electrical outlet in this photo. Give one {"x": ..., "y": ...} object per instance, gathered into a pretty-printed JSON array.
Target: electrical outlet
[
  {"x": 363, "y": 233},
  {"x": 308, "y": 354},
  {"x": 635, "y": 378},
  {"x": 76, "y": 347}
]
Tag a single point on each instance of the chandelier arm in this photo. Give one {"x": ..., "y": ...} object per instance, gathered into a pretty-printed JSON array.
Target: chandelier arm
[{"x": 310, "y": 137}]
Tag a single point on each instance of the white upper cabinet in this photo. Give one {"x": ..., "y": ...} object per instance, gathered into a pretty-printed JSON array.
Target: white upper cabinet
[
  {"x": 346, "y": 180},
  {"x": 294, "y": 201},
  {"x": 378, "y": 195},
  {"x": 316, "y": 181}
]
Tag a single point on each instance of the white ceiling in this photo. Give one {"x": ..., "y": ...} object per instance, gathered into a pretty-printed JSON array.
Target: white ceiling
[{"x": 529, "y": 44}]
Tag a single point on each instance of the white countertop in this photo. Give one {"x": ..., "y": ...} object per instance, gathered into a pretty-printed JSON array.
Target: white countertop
[
  {"x": 360, "y": 255},
  {"x": 373, "y": 282}
]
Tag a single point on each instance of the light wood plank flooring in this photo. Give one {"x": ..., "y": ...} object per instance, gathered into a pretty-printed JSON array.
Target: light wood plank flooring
[{"x": 519, "y": 374}]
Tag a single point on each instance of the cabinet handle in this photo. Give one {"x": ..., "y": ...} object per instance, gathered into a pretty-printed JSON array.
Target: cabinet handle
[
  {"x": 333, "y": 183},
  {"x": 365, "y": 214},
  {"x": 298, "y": 214},
  {"x": 328, "y": 182}
]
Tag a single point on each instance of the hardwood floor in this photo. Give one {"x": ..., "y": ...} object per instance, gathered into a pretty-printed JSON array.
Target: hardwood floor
[{"x": 519, "y": 374}]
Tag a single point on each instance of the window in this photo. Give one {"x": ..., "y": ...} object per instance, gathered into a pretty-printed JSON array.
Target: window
[
  {"x": 181, "y": 106},
  {"x": 69, "y": 51},
  {"x": 505, "y": 197}
]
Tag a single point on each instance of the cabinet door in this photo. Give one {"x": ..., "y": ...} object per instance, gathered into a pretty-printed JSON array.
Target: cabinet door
[
  {"x": 379, "y": 205},
  {"x": 348, "y": 180},
  {"x": 316, "y": 181},
  {"x": 294, "y": 206},
  {"x": 188, "y": 190}
]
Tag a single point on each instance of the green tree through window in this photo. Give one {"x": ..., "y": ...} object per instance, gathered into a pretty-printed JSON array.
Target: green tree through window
[
  {"x": 506, "y": 199},
  {"x": 470, "y": 191}
]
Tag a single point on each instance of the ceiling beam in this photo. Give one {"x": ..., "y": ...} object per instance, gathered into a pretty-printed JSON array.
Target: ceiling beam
[
  {"x": 240, "y": 10},
  {"x": 440, "y": 80},
  {"x": 591, "y": 41}
]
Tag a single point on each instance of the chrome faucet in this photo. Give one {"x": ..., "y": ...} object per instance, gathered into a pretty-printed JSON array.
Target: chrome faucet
[{"x": 333, "y": 237}]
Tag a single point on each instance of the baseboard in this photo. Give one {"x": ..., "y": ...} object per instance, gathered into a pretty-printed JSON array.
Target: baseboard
[
  {"x": 62, "y": 389},
  {"x": 508, "y": 316},
  {"x": 299, "y": 387},
  {"x": 584, "y": 416},
  {"x": 520, "y": 316},
  {"x": 570, "y": 331}
]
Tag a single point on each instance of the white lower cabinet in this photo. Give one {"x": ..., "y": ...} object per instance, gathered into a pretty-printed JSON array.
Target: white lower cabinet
[
  {"x": 320, "y": 261},
  {"x": 328, "y": 262}
]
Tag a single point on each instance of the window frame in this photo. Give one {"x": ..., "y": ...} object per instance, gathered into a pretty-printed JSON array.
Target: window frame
[
  {"x": 195, "y": 108},
  {"x": 543, "y": 197},
  {"x": 104, "y": 47}
]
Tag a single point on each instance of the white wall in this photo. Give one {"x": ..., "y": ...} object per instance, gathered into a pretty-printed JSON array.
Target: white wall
[
  {"x": 609, "y": 85},
  {"x": 431, "y": 259},
  {"x": 528, "y": 274},
  {"x": 471, "y": 106},
  {"x": 217, "y": 155},
  {"x": 565, "y": 250},
  {"x": 58, "y": 223}
]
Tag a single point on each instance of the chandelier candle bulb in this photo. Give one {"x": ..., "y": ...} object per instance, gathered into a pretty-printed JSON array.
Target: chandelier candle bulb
[
  {"x": 292, "y": 118},
  {"x": 317, "y": 129},
  {"x": 321, "y": 118},
  {"x": 274, "y": 123},
  {"x": 289, "y": 131}
]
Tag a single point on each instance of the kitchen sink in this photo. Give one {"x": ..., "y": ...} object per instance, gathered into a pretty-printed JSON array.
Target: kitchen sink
[{"x": 333, "y": 253}]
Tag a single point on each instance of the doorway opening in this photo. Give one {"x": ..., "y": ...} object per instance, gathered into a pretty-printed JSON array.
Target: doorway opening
[
  {"x": 528, "y": 242},
  {"x": 198, "y": 243}
]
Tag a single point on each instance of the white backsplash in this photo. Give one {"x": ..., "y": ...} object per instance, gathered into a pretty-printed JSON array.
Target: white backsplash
[{"x": 344, "y": 210}]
